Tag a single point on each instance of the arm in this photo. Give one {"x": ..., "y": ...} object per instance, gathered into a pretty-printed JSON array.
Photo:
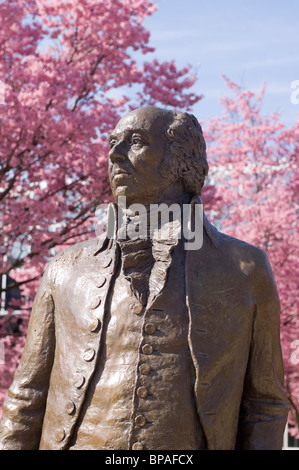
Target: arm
[
  {"x": 264, "y": 407},
  {"x": 24, "y": 407}
]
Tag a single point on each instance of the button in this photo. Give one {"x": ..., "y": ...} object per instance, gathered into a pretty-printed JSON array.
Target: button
[
  {"x": 89, "y": 354},
  {"x": 80, "y": 380},
  {"x": 70, "y": 407},
  {"x": 147, "y": 349},
  {"x": 95, "y": 303},
  {"x": 142, "y": 392},
  {"x": 101, "y": 281},
  {"x": 94, "y": 324},
  {"x": 60, "y": 435},
  {"x": 145, "y": 369},
  {"x": 106, "y": 262},
  {"x": 137, "y": 446},
  {"x": 150, "y": 328},
  {"x": 137, "y": 309},
  {"x": 140, "y": 420}
]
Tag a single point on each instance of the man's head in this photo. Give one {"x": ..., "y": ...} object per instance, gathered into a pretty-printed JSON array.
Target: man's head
[{"x": 156, "y": 154}]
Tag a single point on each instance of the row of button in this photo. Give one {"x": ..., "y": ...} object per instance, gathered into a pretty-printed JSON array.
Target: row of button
[
  {"x": 142, "y": 392},
  {"x": 89, "y": 354},
  {"x": 70, "y": 407}
]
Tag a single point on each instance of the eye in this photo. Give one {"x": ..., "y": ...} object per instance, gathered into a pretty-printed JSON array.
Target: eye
[
  {"x": 137, "y": 141},
  {"x": 112, "y": 142}
]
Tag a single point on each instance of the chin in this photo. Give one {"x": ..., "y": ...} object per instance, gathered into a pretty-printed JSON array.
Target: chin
[{"x": 122, "y": 191}]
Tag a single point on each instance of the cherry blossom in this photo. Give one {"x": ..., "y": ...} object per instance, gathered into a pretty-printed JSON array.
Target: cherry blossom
[
  {"x": 68, "y": 71},
  {"x": 254, "y": 167}
]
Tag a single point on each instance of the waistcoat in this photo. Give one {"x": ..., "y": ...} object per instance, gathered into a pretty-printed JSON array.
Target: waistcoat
[{"x": 142, "y": 393}]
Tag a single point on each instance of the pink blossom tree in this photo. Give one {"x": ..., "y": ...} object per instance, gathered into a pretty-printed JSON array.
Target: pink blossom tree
[
  {"x": 67, "y": 70},
  {"x": 254, "y": 166}
]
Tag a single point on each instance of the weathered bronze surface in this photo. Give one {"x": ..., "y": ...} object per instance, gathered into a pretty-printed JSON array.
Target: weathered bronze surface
[{"x": 142, "y": 344}]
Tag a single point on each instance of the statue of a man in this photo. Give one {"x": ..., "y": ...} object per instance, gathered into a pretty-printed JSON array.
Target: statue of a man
[{"x": 139, "y": 343}]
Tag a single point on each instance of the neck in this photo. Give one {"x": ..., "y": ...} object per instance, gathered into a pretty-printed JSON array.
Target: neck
[{"x": 174, "y": 194}]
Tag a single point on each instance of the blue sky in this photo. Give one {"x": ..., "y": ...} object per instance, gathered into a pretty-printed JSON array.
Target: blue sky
[{"x": 251, "y": 42}]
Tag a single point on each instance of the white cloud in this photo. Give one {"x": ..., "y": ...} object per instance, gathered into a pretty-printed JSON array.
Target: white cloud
[{"x": 273, "y": 62}]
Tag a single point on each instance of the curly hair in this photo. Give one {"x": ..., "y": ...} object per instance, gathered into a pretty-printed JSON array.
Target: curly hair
[{"x": 186, "y": 152}]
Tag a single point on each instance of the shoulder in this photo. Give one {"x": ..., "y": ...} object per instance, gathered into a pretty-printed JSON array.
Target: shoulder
[
  {"x": 231, "y": 246},
  {"x": 242, "y": 250},
  {"x": 74, "y": 256},
  {"x": 252, "y": 264},
  {"x": 85, "y": 247},
  {"x": 250, "y": 260},
  {"x": 231, "y": 251}
]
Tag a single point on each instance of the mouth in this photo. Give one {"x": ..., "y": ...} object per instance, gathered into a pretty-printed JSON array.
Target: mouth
[{"x": 120, "y": 173}]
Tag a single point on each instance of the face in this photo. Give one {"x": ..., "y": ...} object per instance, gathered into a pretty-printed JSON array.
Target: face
[{"x": 137, "y": 148}]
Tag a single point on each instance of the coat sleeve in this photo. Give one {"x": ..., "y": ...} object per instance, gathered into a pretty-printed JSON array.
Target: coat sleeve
[
  {"x": 264, "y": 406},
  {"x": 24, "y": 408}
]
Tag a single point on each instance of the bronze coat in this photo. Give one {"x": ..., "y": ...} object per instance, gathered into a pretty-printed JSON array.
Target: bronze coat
[{"x": 233, "y": 337}]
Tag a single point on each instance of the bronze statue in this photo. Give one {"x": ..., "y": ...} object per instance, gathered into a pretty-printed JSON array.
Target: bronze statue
[{"x": 138, "y": 343}]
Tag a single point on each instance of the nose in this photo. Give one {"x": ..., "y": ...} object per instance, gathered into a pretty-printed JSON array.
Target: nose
[{"x": 118, "y": 153}]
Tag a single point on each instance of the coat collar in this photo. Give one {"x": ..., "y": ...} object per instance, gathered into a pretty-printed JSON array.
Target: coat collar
[
  {"x": 106, "y": 239},
  {"x": 212, "y": 232}
]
